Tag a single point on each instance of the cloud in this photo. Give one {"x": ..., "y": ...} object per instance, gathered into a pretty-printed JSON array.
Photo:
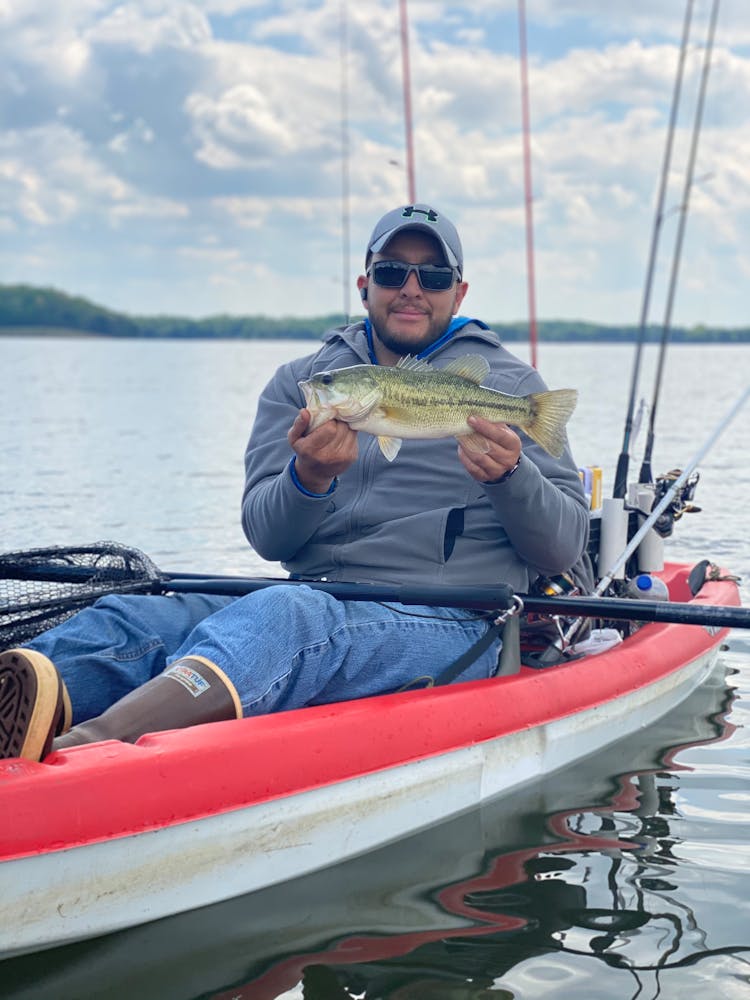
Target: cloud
[
  {"x": 238, "y": 128},
  {"x": 172, "y": 156},
  {"x": 149, "y": 26},
  {"x": 50, "y": 178}
]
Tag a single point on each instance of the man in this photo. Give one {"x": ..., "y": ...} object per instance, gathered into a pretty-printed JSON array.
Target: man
[{"x": 327, "y": 505}]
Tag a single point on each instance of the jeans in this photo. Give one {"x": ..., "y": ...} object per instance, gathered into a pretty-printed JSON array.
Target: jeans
[{"x": 283, "y": 647}]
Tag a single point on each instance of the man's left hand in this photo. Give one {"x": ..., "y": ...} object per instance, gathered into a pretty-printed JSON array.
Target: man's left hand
[{"x": 504, "y": 451}]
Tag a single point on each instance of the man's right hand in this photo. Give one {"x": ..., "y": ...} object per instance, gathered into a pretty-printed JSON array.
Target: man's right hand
[{"x": 322, "y": 454}]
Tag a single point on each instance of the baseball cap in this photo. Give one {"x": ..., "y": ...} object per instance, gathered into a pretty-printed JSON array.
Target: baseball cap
[{"x": 425, "y": 219}]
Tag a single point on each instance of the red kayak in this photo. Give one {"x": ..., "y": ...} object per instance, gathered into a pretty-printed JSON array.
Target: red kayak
[{"x": 111, "y": 835}]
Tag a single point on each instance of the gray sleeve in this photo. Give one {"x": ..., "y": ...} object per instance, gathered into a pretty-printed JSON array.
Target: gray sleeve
[
  {"x": 277, "y": 517},
  {"x": 543, "y": 510},
  {"x": 542, "y": 507}
]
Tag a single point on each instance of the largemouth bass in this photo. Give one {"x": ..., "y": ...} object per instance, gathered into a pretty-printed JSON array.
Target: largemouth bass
[{"x": 415, "y": 400}]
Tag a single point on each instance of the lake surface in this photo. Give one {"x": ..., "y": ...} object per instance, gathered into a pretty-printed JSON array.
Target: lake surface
[{"x": 627, "y": 876}]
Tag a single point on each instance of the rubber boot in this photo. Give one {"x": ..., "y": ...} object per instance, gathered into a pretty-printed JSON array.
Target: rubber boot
[
  {"x": 34, "y": 704},
  {"x": 191, "y": 691}
]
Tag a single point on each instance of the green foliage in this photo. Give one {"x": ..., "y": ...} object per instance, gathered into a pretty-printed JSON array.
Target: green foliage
[
  {"x": 27, "y": 306},
  {"x": 25, "y": 309}
]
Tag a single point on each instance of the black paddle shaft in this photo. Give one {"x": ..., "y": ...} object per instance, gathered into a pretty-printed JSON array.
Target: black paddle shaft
[
  {"x": 498, "y": 598},
  {"x": 622, "y": 609}
]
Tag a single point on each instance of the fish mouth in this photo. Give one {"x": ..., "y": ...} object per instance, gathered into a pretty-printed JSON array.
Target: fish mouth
[{"x": 308, "y": 391}]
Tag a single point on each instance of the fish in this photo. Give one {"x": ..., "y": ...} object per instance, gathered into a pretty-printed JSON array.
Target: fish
[{"x": 415, "y": 400}]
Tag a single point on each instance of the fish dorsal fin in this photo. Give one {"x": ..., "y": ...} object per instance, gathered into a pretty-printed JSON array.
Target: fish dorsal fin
[
  {"x": 414, "y": 364},
  {"x": 473, "y": 367}
]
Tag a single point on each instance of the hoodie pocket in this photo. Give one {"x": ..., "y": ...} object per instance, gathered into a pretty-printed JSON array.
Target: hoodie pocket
[{"x": 454, "y": 526}]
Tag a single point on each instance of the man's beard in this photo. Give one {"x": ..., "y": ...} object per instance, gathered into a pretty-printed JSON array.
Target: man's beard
[{"x": 401, "y": 344}]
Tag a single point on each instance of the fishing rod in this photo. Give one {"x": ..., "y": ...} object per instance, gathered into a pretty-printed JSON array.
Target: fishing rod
[
  {"x": 645, "y": 475},
  {"x": 621, "y": 474},
  {"x": 345, "y": 162},
  {"x": 665, "y": 501},
  {"x": 407, "y": 101},
  {"x": 647, "y": 525},
  {"x": 528, "y": 195}
]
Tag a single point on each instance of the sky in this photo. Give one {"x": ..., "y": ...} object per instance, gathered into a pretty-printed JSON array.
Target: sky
[{"x": 217, "y": 156}]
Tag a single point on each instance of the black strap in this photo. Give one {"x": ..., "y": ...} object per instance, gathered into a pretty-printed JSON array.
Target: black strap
[{"x": 471, "y": 655}]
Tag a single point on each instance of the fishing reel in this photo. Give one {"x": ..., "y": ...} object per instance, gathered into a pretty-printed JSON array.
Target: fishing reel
[
  {"x": 543, "y": 635},
  {"x": 563, "y": 584},
  {"x": 681, "y": 502}
]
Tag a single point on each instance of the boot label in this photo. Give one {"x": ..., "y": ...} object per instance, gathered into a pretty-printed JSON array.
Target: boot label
[{"x": 189, "y": 678}]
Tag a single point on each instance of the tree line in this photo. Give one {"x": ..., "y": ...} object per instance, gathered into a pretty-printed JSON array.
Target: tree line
[{"x": 27, "y": 309}]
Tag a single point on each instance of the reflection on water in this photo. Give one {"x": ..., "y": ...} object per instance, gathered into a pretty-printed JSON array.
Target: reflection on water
[{"x": 577, "y": 887}]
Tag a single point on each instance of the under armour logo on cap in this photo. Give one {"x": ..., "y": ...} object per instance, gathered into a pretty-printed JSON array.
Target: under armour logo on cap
[{"x": 429, "y": 213}]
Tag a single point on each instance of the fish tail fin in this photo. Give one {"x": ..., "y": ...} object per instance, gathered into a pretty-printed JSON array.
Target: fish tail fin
[{"x": 550, "y": 412}]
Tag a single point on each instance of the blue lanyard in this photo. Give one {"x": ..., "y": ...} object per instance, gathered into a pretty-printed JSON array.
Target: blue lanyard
[{"x": 456, "y": 324}]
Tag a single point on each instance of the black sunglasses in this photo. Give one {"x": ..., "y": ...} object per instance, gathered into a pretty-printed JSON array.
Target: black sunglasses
[{"x": 394, "y": 274}]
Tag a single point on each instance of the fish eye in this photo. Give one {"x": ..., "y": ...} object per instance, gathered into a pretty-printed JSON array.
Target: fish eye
[{"x": 326, "y": 378}]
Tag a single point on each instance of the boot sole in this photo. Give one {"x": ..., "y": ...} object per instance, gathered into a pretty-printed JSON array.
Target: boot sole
[{"x": 31, "y": 704}]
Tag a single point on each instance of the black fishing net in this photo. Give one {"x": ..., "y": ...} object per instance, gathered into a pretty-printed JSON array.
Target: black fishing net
[{"x": 39, "y": 588}]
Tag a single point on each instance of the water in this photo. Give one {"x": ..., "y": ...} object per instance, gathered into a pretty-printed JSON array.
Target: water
[{"x": 626, "y": 876}]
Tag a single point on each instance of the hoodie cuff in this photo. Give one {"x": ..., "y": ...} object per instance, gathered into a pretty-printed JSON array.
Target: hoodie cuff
[
  {"x": 505, "y": 476},
  {"x": 302, "y": 489}
]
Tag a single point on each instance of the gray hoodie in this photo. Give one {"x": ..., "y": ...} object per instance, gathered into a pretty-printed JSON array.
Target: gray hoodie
[{"x": 422, "y": 518}]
